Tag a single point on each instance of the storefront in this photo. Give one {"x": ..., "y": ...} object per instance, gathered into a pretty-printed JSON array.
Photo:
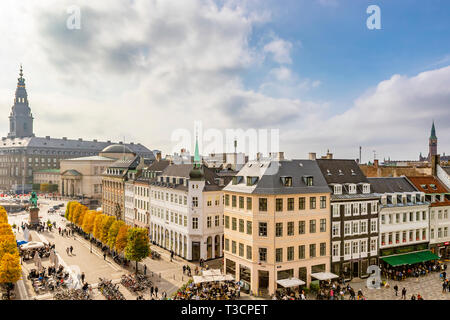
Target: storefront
[
  {"x": 245, "y": 278},
  {"x": 441, "y": 249}
]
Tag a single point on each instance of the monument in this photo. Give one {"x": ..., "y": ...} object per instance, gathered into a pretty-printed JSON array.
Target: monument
[{"x": 34, "y": 210}]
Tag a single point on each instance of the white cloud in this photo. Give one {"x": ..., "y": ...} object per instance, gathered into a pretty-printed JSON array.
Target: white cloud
[{"x": 280, "y": 50}]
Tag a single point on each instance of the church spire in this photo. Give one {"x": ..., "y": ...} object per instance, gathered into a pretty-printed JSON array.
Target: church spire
[
  {"x": 433, "y": 132},
  {"x": 197, "y": 160}
]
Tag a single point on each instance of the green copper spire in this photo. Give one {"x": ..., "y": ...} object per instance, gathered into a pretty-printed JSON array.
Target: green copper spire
[
  {"x": 433, "y": 132},
  {"x": 197, "y": 160}
]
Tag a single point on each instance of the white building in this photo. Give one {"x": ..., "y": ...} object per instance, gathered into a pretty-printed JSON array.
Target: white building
[
  {"x": 403, "y": 216},
  {"x": 129, "y": 202}
]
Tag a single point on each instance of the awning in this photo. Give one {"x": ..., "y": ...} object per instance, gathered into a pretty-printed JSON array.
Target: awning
[
  {"x": 291, "y": 282},
  {"x": 324, "y": 275},
  {"x": 410, "y": 258}
]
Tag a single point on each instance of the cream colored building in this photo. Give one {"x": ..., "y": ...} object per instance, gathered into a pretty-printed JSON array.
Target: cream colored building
[
  {"x": 50, "y": 176},
  {"x": 277, "y": 223}
]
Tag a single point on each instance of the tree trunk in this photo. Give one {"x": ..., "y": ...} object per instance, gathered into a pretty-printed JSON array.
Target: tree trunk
[{"x": 136, "y": 267}]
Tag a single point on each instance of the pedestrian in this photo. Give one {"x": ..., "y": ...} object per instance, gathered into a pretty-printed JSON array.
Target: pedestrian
[
  {"x": 396, "y": 290},
  {"x": 444, "y": 287},
  {"x": 82, "y": 277},
  {"x": 171, "y": 255},
  {"x": 184, "y": 269},
  {"x": 67, "y": 250},
  {"x": 145, "y": 269},
  {"x": 413, "y": 297},
  {"x": 404, "y": 293},
  {"x": 104, "y": 256},
  {"x": 151, "y": 291},
  {"x": 71, "y": 250},
  {"x": 156, "y": 292}
]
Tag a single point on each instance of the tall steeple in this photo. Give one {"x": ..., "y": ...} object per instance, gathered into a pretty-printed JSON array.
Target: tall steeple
[
  {"x": 20, "y": 119},
  {"x": 197, "y": 172},
  {"x": 432, "y": 144}
]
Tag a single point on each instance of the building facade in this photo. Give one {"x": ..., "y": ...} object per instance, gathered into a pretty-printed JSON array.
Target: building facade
[
  {"x": 354, "y": 218},
  {"x": 439, "y": 198},
  {"x": 277, "y": 223},
  {"x": 404, "y": 217},
  {"x": 22, "y": 153}
]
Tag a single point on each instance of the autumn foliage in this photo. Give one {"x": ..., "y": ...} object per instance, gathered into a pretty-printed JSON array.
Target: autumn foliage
[{"x": 10, "y": 269}]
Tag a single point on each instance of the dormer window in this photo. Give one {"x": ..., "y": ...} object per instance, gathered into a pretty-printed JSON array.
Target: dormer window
[
  {"x": 433, "y": 186},
  {"x": 340, "y": 172},
  {"x": 337, "y": 189},
  {"x": 328, "y": 172},
  {"x": 351, "y": 188},
  {"x": 251, "y": 181},
  {"x": 286, "y": 181},
  {"x": 353, "y": 172},
  {"x": 308, "y": 180},
  {"x": 237, "y": 179},
  {"x": 366, "y": 188}
]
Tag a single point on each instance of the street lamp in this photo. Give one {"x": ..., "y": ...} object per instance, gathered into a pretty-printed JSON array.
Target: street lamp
[{"x": 90, "y": 240}]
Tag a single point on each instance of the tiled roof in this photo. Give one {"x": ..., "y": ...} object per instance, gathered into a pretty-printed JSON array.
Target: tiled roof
[
  {"x": 341, "y": 171},
  {"x": 426, "y": 183}
]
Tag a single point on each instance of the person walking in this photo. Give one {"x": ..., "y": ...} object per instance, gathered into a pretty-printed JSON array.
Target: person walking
[
  {"x": 104, "y": 256},
  {"x": 151, "y": 291},
  {"x": 82, "y": 277},
  {"x": 71, "y": 250},
  {"x": 145, "y": 269},
  {"x": 396, "y": 290},
  {"x": 404, "y": 293},
  {"x": 67, "y": 250},
  {"x": 413, "y": 297},
  {"x": 171, "y": 255},
  {"x": 444, "y": 287},
  {"x": 156, "y": 292}
]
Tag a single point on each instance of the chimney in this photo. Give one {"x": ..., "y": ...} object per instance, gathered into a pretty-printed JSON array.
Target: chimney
[
  {"x": 312, "y": 156},
  {"x": 375, "y": 163},
  {"x": 158, "y": 156},
  {"x": 329, "y": 155},
  {"x": 435, "y": 161}
]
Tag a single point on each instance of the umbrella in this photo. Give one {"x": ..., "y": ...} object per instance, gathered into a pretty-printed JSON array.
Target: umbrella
[{"x": 26, "y": 234}]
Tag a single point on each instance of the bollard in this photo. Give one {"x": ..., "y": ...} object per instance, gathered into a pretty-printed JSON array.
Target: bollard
[{"x": 160, "y": 275}]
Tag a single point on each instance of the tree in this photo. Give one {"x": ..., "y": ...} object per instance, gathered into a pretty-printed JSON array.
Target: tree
[
  {"x": 69, "y": 205},
  {"x": 138, "y": 246},
  {"x": 10, "y": 269},
  {"x": 3, "y": 215},
  {"x": 113, "y": 232},
  {"x": 74, "y": 211},
  {"x": 122, "y": 238},
  {"x": 98, "y": 226},
  {"x": 5, "y": 229},
  {"x": 8, "y": 246},
  {"x": 88, "y": 221},
  {"x": 107, "y": 222}
]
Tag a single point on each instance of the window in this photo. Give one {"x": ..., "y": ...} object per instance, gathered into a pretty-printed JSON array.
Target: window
[
  {"x": 312, "y": 250},
  {"x": 263, "y": 229},
  {"x": 347, "y": 248},
  {"x": 363, "y": 246},
  {"x": 227, "y": 222},
  {"x": 262, "y": 254},
  {"x": 195, "y": 202},
  {"x": 262, "y": 204},
  {"x": 355, "y": 247},
  {"x": 373, "y": 245},
  {"x": 279, "y": 229},
  {"x": 347, "y": 229},
  {"x": 227, "y": 245},
  {"x": 323, "y": 225},
  {"x": 241, "y": 225},
  {"x": 194, "y": 223},
  {"x": 290, "y": 204},
  {"x": 363, "y": 226},
  {"x": 233, "y": 201},
  {"x": 279, "y": 204},
  {"x": 233, "y": 246},
  {"x": 249, "y": 227},
  {"x": 208, "y": 222},
  {"x": 312, "y": 202},
  {"x": 249, "y": 203},
  {"x": 336, "y": 229},
  {"x": 241, "y": 202},
  {"x": 373, "y": 225},
  {"x": 301, "y": 227},
  {"x": 233, "y": 224},
  {"x": 227, "y": 199},
  {"x": 301, "y": 203},
  {"x": 279, "y": 255},
  {"x": 290, "y": 253},
  {"x": 356, "y": 209},
  {"x": 301, "y": 252},
  {"x": 290, "y": 228},
  {"x": 312, "y": 226},
  {"x": 249, "y": 252},
  {"x": 336, "y": 210},
  {"x": 336, "y": 250},
  {"x": 323, "y": 249},
  {"x": 323, "y": 202},
  {"x": 355, "y": 227},
  {"x": 337, "y": 189},
  {"x": 216, "y": 221},
  {"x": 241, "y": 249}
]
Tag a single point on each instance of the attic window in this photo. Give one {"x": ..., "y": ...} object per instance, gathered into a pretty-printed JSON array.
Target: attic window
[
  {"x": 328, "y": 172},
  {"x": 353, "y": 172},
  {"x": 308, "y": 180},
  {"x": 237, "y": 179},
  {"x": 424, "y": 186},
  {"x": 433, "y": 186},
  {"x": 251, "y": 181},
  {"x": 340, "y": 172},
  {"x": 286, "y": 181}
]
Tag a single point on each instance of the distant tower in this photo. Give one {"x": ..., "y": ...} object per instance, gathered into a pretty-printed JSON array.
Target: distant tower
[
  {"x": 20, "y": 119},
  {"x": 432, "y": 143}
]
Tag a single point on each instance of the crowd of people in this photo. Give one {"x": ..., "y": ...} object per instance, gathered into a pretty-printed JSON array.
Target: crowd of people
[
  {"x": 225, "y": 290},
  {"x": 402, "y": 272}
]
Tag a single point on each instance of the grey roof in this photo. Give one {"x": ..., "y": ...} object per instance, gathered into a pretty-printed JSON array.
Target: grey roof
[
  {"x": 341, "y": 171},
  {"x": 91, "y": 158},
  {"x": 391, "y": 185},
  {"x": 297, "y": 169},
  {"x": 127, "y": 163},
  {"x": 158, "y": 166},
  {"x": 69, "y": 144},
  {"x": 271, "y": 172}
]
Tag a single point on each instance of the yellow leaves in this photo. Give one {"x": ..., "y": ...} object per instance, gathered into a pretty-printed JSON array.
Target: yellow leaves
[
  {"x": 113, "y": 232},
  {"x": 98, "y": 226},
  {"x": 3, "y": 215},
  {"x": 10, "y": 269},
  {"x": 5, "y": 229},
  {"x": 88, "y": 221},
  {"x": 121, "y": 240},
  {"x": 108, "y": 221}
]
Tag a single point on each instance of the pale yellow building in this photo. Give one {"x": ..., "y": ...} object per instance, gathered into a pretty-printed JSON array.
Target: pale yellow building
[{"x": 277, "y": 224}]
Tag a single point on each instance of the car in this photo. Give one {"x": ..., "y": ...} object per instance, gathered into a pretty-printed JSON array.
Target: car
[
  {"x": 51, "y": 210},
  {"x": 56, "y": 207}
]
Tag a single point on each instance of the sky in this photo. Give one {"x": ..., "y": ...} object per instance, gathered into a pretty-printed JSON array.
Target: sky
[{"x": 142, "y": 70}]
